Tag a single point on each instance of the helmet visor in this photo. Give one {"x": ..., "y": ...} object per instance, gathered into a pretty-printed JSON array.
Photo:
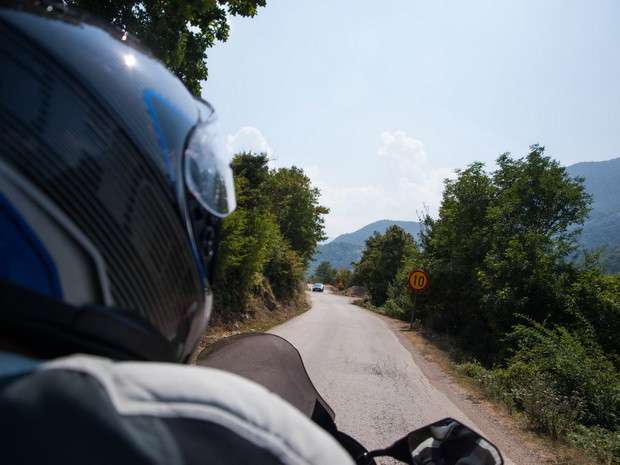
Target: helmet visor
[{"x": 208, "y": 174}]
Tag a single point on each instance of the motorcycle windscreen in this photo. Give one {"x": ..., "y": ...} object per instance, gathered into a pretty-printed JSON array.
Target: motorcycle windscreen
[{"x": 272, "y": 362}]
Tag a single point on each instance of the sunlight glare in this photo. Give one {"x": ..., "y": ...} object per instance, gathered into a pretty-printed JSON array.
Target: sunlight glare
[{"x": 130, "y": 60}]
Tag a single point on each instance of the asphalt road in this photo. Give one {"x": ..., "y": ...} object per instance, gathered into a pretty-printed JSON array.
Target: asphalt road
[{"x": 366, "y": 375}]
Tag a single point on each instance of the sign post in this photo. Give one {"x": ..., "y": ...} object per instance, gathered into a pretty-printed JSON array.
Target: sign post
[{"x": 418, "y": 281}]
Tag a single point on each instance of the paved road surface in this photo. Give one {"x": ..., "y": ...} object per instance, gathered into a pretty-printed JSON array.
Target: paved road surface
[{"x": 365, "y": 374}]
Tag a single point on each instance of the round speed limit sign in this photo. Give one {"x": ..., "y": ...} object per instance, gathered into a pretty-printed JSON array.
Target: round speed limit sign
[{"x": 418, "y": 280}]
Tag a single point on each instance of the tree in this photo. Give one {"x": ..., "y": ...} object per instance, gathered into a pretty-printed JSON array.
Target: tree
[
  {"x": 249, "y": 237},
  {"x": 595, "y": 301},
  {"x": 344, "y": 276},
  {"x": 502, "y": 247},
  {"x": 265, "y": 242},
  {"x": 381, "y": 260},
  {"x": 325, "y": 273},
  {"x": 455, "y": 247},
  {"x": 284, "y": 270},
  {"x": 529, "y": 265},
  {"x": 254, "y": 170},
  {"x": 177, "y": 31},
  {"x": 296, "y": 204}
]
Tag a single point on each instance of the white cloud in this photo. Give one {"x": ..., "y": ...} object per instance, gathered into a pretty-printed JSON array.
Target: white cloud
[
  {"x": 403, "y": 191},
  {"x": 401, "y": 148},
  {"x": 248, "y": 139},
  {"x": 312, "y": 171},
  {"x": 401, "y": 187},
  {"x": 352, "y": 208}
]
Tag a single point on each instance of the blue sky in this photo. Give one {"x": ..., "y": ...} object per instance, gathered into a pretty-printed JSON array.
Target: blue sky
[{"x": 379, "y": 102}]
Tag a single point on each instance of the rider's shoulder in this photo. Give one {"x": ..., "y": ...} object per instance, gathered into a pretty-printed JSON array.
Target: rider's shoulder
[{"x": 159, "y": 409}]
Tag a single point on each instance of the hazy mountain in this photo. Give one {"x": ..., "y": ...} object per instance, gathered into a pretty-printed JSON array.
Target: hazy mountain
[
  {"x": 348, "y": 248},
  {"x": 602, "y": 229},
  {"x": 602, "y": 180}
]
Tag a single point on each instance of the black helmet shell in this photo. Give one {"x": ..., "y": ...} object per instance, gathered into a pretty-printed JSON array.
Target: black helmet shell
[{"x": 93, "y": 203}]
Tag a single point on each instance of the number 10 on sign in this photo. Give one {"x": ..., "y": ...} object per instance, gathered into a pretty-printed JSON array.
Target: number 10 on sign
[{"x": 418, "y": 281}]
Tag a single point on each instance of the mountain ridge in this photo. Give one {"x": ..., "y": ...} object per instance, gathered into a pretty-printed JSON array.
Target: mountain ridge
[{"x": 348, "y": 247}]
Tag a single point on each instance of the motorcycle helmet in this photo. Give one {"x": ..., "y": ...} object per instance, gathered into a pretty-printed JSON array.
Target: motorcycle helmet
[{"x": 113, "y": 182}]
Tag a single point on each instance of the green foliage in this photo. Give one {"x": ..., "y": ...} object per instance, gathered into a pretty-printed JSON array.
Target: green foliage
[
  {"x": 595, "y": 301},
  {"x": 382, "y": 259},
  {"x": 283, "y": 270},
  {"x": 507, "y": 286},
  {"x": 564, "y": 386},
  {"x": 523, "y": 389},
  {"x": 344, "y": 276},
  {"x": 601, "y": 444},
  {"x": 536, "y": 194},
  {"x": 526, "y": 268},
  {"x": 248, "y": 237},
  {"x": 296, "y": 205},
  {"x": 256, "y": 249},
  {"x": 324, "y": 273},
  {"x": 547, "y": 410},
  {"x": 455, "y": 246},
  {"x": 502, "y": 246},
  {"x": 573, "y": 367},
  {"x": 177, "y": 31},
  {"x": 400, "y": 297}
]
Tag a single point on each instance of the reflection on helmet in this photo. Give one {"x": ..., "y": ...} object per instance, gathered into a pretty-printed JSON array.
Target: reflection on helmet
[{"x": 112, "y": 187}]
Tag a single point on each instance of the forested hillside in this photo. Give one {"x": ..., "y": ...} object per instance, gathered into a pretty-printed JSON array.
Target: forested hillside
[{"x": 602, "y": 228}]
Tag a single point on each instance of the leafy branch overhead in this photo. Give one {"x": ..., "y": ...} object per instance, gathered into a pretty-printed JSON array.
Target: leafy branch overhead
[{"x": 177, "y": 31}]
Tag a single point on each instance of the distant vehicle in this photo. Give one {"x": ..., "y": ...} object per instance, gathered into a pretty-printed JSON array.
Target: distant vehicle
[{"x": 318, "y": 287}]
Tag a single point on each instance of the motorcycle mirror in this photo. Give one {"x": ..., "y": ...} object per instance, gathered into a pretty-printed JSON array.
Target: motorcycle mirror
[{"x": 446, "y": 442}]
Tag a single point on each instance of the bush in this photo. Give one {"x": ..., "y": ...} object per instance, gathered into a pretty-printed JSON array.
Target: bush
[
  {"x": 571, "y": 366},
  {"x": 473, "y": 370},
  {"x": 392, "y": 309},
  {"x": 599, "y": 443},
  {"x": 546, "y": 409},
  {"x": 494, "y": 382},
  {"x": 524, "y": 389}
]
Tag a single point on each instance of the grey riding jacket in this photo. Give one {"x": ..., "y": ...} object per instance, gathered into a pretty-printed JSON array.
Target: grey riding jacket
[{"x": 83, "y": 409}]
